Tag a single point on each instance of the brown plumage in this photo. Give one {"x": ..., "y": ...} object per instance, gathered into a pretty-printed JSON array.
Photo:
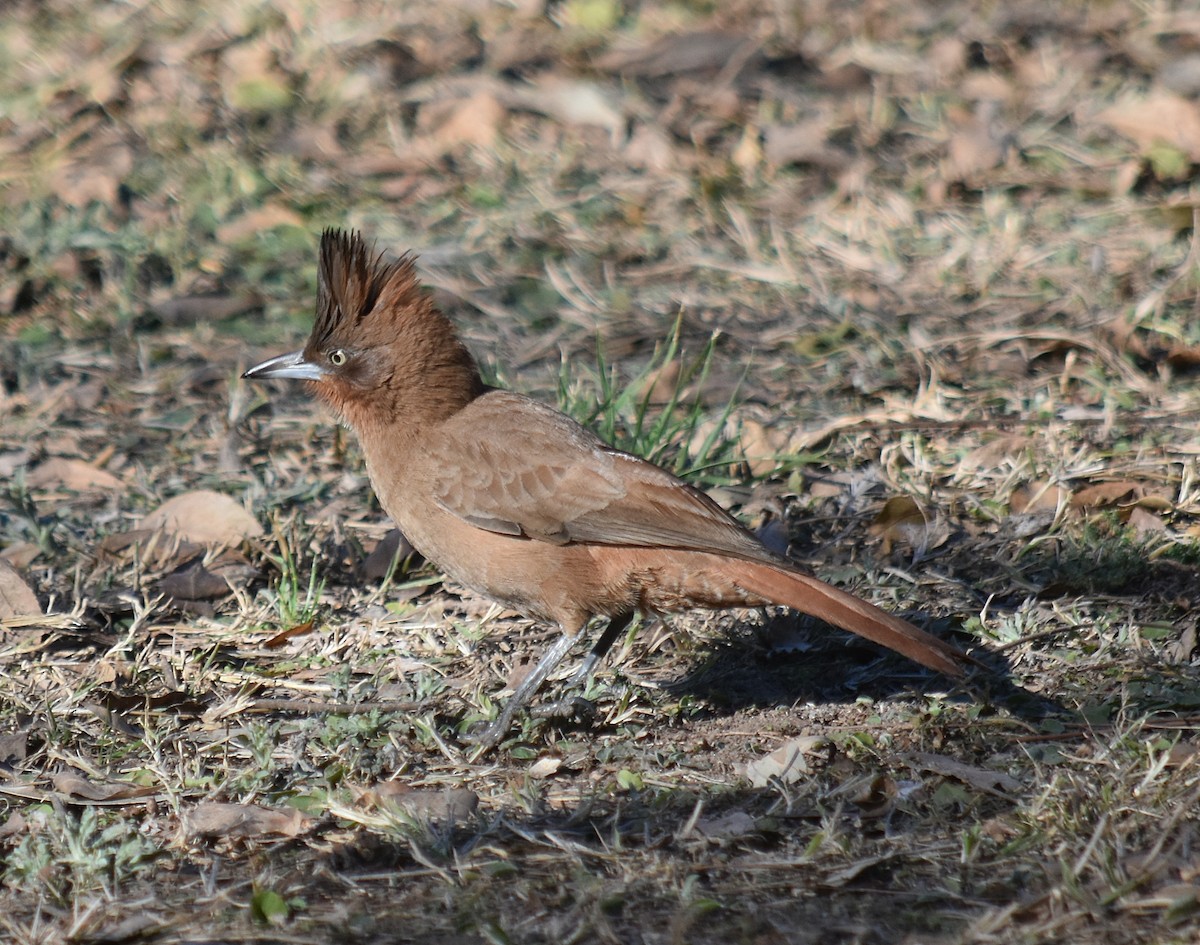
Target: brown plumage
[{"x": 519, "y": 502}]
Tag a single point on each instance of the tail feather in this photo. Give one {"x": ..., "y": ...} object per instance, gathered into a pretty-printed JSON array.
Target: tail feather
[{"x": 818, "y": 599}]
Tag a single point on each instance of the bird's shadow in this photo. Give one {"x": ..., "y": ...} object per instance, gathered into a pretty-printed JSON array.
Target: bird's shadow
[{"x": 747, "y": 668}]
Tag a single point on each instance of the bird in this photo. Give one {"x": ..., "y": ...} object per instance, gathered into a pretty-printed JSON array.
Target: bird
[{"x": 517, "y": 501}]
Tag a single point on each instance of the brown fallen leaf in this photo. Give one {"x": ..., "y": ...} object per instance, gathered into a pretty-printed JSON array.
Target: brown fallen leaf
[
  {"x": 22, "y": 554},
  {"x": 876, "y": 798},
  {"x": 73, "y": 474},
  {"x": 214, "y": 819},
  {"x": 1124, "y": 493},
  {"x": 76, "y": 786},
  {"x": 997, "y": 452},
  {"x": 786, "y": 763},
  {"x": 569, "y": 102},
  {"x": 193, "y": 581},
  {"x": 206, "y": 517},
  {"x": 1145, "y": 522},
  {"x": 450, "y": 805},
  {"x": 544, "y": 767},
  {"x": 1037, "y": 497},
  {"x": 474, "y": 120},
  {"x": 14, "y": 746},
  {"x": 727, "y": 826},
  {"x": 16, "y": 597},
  {"x": 1104, "y": 494},
  {"x": 650, "y": 147},
  {"x": 983, "y": 779},
  {"x": 378, "y": 564},
  {"x": 284, "y": 635},
  {"x": 253, "y": 223},
  {"x": 1160, "y": 118},
  {"x": 695, "y": 52},
  {"x": 760, "y": 447},
  {"x": 193, "y": 309},
  {"x": 802, "y": 143},
  {"x": 979, "y": 145},
  {"x": 900, "y": 519}
]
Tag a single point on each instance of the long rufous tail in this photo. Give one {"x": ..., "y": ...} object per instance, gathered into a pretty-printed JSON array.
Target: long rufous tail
[{"x": 818, "y": 599}]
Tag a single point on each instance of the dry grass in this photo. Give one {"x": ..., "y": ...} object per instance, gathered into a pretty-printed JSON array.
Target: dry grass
[{"x": 948, "y": 269}]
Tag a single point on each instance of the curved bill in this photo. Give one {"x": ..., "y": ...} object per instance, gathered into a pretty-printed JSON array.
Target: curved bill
[{"x": 291, "y": 365}]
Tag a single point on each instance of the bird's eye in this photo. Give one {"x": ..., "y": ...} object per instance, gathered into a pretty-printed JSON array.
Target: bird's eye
[{"x": 337, "y": 358}]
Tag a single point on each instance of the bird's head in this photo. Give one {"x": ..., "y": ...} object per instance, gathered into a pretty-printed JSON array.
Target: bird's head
[{"x": 379, "y": 346}]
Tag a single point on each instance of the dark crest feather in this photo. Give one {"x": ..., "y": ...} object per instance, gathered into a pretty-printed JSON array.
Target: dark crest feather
[{"x": 352, "y": 277}]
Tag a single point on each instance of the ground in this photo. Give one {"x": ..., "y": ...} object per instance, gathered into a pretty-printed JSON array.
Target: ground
[{"x": 910, "y": 289}]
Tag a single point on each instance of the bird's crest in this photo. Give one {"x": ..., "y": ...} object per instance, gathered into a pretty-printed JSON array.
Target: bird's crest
[{"x": 359, "y": 293}]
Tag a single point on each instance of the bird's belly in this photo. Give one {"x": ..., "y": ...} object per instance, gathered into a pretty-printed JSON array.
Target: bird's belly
[{"x": 551, "y": 582}]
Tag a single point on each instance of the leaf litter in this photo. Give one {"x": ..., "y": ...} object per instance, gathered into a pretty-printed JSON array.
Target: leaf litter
[{"x": 955, "y": 252}]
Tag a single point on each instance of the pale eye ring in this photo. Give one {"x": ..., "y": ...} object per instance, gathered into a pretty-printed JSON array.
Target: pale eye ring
[{"x": 337, "y": 357}]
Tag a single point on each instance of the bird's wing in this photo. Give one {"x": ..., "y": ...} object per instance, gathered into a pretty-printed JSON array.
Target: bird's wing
[{"x": 511, "y": 465}]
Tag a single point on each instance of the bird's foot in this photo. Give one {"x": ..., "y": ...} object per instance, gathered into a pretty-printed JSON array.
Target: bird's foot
[
  {"x": 486, "y": 737},
  {"x": 572, "y": 708}
]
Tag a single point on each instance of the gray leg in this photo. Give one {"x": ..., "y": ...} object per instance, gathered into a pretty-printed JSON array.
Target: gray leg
[
  {"x": 491, "y": 736},
  {"x": 616, "y": 626}
]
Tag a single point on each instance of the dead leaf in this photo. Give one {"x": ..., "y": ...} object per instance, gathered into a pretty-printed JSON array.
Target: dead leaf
[
  {"x": 569, "y": 102},
  {"x": 700, "y": 51},
  {"x": 900, "y": 519},
  {"x": 193, "y": 581},
  {"x": 155, "y": 549},
  {"x": 979, "y": 145},
  {"x": 72, "y": 474},
  {"x": 21, "y": 554},
  {"x": 14, "y": 747},
  {"x": 1104, "y": 494},
  {"x": 14, "y": 825},
  {"x": 254, "y": 222},
  {"x": 75, "y": 786},
  {"x": 544, "y": 767},
  {"x": 1182, "y": 753},
  {"x": 450, "y": 805},
  {"x": 826, "y": 489},
  {"x": 205, "y": 517},
  {"x": 731, "y": 824},
  {"x": 16, "y": 597},
  {"x": 1160, "y": 118},
  {"x": 982, "y": 779},
  {"x": 786, "y": 763},
  {"x": 1037, "y": 497},
  {"x": 760, "y": 447},
  {"x": 650, "y": 148},
  {"x": 213, "y": 819},
  {"x": 378, "y": 564},
  {"x": 997, "y": 452},
  {"x": 204, "y": 309},
  {"x": 1145, "y": 522},
  {"x": 473, "y": 120},
  {"x": 1124, "y": 493},
  {"x": 284, "y": 635},
  {"x": 802, "y": 143},
  {"x": 877, "y": 797},
  {"x": 662, "y": 386}
]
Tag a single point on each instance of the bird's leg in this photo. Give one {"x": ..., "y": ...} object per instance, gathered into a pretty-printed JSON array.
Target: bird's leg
[
  {"x": 492, "y": 735},
  {"x": 616, "y": 626},
  {"x": 577, "y": 707}
]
